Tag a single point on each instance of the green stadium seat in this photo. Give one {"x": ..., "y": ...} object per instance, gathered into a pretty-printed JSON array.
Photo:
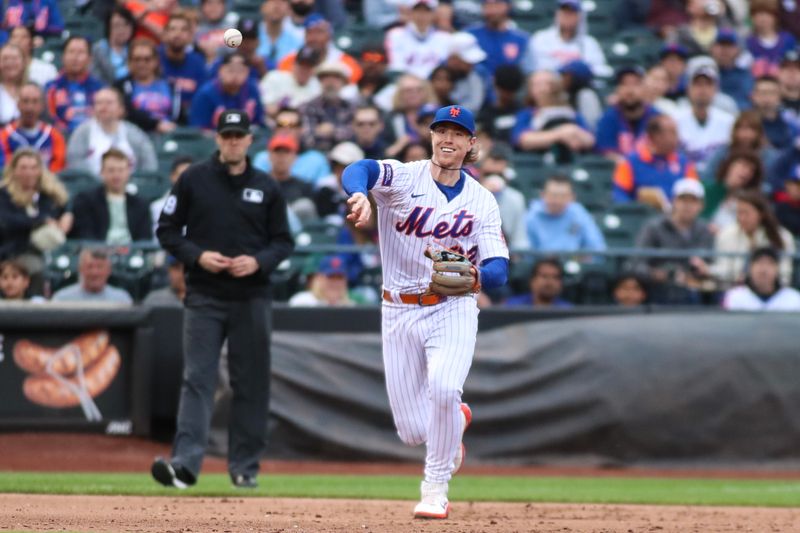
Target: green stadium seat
[
  {"x": 318, "y": 233},
  {"x": 77, "y": 181},
  {"x": 186, "y": 141},
  {"x": 149, "y": 185},
  {"x": 622, "y": 223}
]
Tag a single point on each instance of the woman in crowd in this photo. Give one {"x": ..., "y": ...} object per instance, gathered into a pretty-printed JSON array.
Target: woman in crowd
[
  {"x": 739, "y": 171},
  {"x": 39, "y": 71},
  {"x": 32, "y": 210},
  {"x": 150, "y": 101},
  {"x": 110, "y": 55},
  {"x": 747, "y": 135},
  {"x": 548, "y": 122},
  {"x": 755, "y": 226},
  {"x": 12, "y": 78},
  {"x": 401, "y": 124}
]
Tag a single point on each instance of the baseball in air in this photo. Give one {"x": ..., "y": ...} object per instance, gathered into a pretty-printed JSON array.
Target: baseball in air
[{"x": 232, "y": 37}]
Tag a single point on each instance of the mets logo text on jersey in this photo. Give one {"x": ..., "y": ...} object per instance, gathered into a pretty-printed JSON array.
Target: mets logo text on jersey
[{"x": 417, "y": 219}]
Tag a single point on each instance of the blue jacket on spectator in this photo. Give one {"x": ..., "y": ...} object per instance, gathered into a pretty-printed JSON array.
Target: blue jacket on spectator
[
  {"x": 574, "y": 229},
  {"x": 42, "y": 15},
  {"x": 186, "y": 77},
  {"x": 210, "y": 101},
  {"x": 506, "y": 47},
  {"x": 615, "y": 134},
  {"x": 737, "y": 82}
]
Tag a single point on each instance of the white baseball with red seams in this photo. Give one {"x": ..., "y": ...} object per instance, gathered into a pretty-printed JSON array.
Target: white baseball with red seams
[
  {"x": 232, "y": 37},
  {"x": 428, "y": 350}
]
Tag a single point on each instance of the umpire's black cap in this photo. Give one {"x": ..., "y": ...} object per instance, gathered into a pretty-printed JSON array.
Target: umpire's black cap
[{"x": 233, "y": 120}]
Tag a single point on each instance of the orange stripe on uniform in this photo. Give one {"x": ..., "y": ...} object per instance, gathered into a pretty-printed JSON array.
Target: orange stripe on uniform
[{"x": 623, "y": 176}]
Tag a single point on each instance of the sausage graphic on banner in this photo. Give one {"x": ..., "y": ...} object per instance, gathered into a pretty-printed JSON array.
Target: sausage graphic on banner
[{"x": 70, "y": 375}]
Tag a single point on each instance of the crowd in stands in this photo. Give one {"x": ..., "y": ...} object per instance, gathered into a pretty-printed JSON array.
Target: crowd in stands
[{"x": 703, "y": 140}]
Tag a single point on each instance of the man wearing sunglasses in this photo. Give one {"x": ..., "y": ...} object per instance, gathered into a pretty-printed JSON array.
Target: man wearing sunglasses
[{"x": 236, "y": 234}]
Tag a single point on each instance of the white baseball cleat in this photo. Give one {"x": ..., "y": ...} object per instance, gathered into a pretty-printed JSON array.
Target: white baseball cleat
[
  {"x": 434, "y": 502},
  {"x": 461, "y": 453}
]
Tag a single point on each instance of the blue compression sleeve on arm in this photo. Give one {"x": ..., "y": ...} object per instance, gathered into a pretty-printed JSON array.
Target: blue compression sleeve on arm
[
  {"x": 360, "y": 176},
  {"x": 494, "y": 272}
]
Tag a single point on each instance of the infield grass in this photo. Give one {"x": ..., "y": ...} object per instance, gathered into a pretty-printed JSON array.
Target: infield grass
[{"x": 669, "y": 491}]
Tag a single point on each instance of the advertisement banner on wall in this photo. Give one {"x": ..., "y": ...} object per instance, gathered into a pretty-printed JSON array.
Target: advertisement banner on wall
[{"x": 75, "y": 376}]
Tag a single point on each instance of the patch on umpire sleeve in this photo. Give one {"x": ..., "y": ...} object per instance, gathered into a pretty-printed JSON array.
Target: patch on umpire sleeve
[
  {"x": 388, "y": 174},
  {"x": 170, "y": 205}
]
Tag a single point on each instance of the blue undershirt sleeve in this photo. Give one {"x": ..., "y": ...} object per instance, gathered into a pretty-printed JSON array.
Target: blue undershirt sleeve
[
  {"x": 360, "y": 176},
  {"x": 494, "y": 272}
]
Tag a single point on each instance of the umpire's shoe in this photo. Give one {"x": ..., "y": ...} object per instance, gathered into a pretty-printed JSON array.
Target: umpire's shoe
[
  {"x": 171, "y": 475},
  {"x": 243, "y": 481}
]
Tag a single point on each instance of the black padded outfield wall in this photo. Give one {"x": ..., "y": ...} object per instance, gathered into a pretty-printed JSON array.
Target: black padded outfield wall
[{"x": 661, "y": 388}]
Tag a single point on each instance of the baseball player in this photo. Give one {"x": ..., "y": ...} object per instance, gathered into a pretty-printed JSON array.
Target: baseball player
[{"x": 440, "y": 241}]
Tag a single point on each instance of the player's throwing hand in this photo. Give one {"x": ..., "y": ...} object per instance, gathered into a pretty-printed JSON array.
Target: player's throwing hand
[{"x": 360, "y": 210}]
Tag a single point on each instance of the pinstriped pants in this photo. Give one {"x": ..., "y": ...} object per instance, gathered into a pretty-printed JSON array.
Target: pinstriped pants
[{"x": 427, "y": 354}]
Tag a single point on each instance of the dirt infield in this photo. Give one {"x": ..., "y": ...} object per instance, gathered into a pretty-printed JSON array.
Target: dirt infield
[
  {"x": 66, "y": 452},
  {"x": 142, "y": 514}
]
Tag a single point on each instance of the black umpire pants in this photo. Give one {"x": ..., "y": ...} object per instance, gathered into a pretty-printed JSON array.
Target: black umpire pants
[{"x": 247, "y": 325}]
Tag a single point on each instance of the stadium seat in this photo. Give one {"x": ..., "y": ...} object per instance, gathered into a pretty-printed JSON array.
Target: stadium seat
[
  {"x": 318, "y": 233},
  {"x": 149, "y": 185},
  {"x": 77, "y": 181},
  {"x": 622, "y": 222},
  {"x": 187, "y": 141}
]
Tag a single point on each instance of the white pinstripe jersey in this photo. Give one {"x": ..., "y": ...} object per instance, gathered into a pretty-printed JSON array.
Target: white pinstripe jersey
[{"x": 413, "y": 213}]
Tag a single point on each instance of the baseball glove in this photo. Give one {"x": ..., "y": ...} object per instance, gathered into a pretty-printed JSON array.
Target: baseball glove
[{"x": 453, "y": 274}]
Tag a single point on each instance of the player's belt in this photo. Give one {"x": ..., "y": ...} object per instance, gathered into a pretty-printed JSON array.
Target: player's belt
[{"x": 424, "y": 299}]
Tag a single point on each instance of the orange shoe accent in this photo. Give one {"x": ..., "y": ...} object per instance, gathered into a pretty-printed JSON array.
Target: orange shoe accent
[{"x": 435, "y": 516}]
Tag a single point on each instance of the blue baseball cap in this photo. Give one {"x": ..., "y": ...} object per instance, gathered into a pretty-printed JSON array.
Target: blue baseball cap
[
  {"x": 332, "y": 265},
  {"x": 673, "y": 48},
  {"x": 578, "y": 69},
  {"x": 574, "y": 5},
  {"x": 455, "y": 114},
  {"x": 726, "y": 36},
  {"x": 315, "y": 19}
]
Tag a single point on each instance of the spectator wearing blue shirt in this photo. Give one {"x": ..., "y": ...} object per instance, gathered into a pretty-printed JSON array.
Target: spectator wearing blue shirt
[
  {"x": 623, "y": 124},
  {"x": 648, "y": 174},
  {"x": 248, "y": 49},
  {"x": 556, "y": 222},
  {"x": 545, "y": 286},
  {"x": 277, "y": 36},
  {"x": 735, "y": 81},
  {"x": 184, "y": 70},
  {"x": 548, "y": 123},
  {"x": 230, "y": 90},
  {"x": 766, "y": 99},
  {"x": 503, "y": 44},
  {"x": 43, "y": 15}
]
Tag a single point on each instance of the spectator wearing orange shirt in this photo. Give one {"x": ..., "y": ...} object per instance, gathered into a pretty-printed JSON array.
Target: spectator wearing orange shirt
[
  {"x": 30, "y": 131},
  {"x": 151, "y": 17}
]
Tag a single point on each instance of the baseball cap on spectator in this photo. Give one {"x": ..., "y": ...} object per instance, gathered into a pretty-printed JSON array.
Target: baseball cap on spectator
[
  {"x": 374, "y": 54},
  {"x": 509, "y": 78},
  {"x": 688, "y": 187},
  {"x": 574, "y": 5},
  {"x": 314, "y": 20},
  {"x": 346, "y": 153},
  {"x": 430, "y": 4},
  {"x": 333, "y": 67},
  {"x": 764, "y": 251},
  {"x": 726, "y": 36},
  {"x": 248, "y": 28},
  {"x": 332, "y": 265},
  {"x": 673, "y": 49},
  {"x": 791, "y": 55},
  {"x": 233, "y": 120},
  {"x": 455, "y": 114},
  {"x": 579, "y": 70},
  {"x": 702, "y": 66},
  {"x": 287, "y": 142},
  {"x": 308, "y": 56},
  {"x": 465, "y": 45},
  {"x": 624, "y": 70}
]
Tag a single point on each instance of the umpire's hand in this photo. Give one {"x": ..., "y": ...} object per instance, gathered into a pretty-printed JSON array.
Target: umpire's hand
[
  {"x": 214, "y": 262},
  {"x": 243, "y": 265}
]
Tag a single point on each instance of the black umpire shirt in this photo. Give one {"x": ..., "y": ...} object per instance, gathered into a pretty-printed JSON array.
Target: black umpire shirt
[{"x": 232, "y": 215}]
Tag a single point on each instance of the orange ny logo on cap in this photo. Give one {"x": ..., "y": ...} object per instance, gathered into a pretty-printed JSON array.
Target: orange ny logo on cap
[{"x": 455, "y": 111}]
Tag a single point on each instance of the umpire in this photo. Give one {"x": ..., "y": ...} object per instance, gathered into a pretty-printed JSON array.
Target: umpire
[{"x": 236, "y": 233}]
